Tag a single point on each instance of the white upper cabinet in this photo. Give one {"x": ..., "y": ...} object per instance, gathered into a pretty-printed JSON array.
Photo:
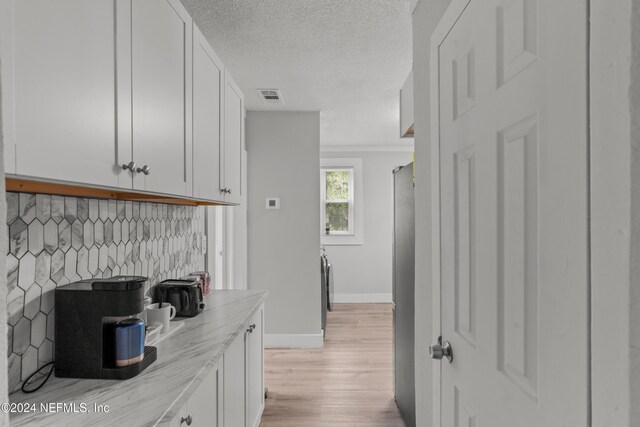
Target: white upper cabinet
[
  {"x": 118, "y": 93},
  {"x": 233, "y": 131},
  {"x": 161, "y": 83},
  {"x": 208, "y": 86},
  {"x": 58, "y": 84}
]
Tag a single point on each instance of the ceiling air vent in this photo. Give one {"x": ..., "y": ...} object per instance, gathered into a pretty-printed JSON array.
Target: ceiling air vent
[{"x": 271, "y": 96}]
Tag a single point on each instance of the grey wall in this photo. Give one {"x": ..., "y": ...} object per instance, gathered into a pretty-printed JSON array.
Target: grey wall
[
  {"x": 362, "y": 273},
  {"x": 55, "y": 240},
  {"x": 425, "y": 18},
  {"x": 284, "y": 245}
]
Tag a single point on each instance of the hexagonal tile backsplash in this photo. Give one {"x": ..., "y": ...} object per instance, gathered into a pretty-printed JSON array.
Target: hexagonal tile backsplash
[{"x": 55, "y": 240}]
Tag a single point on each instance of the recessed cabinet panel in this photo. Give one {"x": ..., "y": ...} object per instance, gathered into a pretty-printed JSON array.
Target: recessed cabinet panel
[
  {"x": 204, "y": 407},
  {"x": 65, "y": 81},
  {"x": 208, "y": 84},
  {"x": 161, "y": 73},
  {"x": 235, "y": 382},
  {"x": 233, "y": 141},
  {"x": 255, "y": 371}
]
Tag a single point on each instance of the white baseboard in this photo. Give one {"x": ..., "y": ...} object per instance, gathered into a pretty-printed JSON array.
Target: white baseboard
[
  {"x": 362, "y": 298},
  {"x": 293, "y": 340}
]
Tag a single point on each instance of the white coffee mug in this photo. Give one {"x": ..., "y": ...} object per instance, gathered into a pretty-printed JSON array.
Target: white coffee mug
[
  {"x": 143, "y": 315},
  {"x": 161, "y": 315}
]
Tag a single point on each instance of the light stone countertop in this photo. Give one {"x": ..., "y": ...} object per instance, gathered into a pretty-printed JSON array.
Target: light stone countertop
[{"x": 156, "y": 395}]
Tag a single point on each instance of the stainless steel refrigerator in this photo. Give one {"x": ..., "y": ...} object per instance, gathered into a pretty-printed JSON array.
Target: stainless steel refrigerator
[{"x": 403, "y": 292}]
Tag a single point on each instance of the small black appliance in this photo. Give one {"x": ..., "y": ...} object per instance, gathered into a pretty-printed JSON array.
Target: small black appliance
[{"x": 184, "y": 295}]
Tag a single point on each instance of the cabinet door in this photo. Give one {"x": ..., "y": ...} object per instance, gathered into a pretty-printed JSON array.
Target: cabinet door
[
  {"x": 233, "y": 131},
  {"x": 208, "y": 84},
  {"x": 205, "y": 404},
  {"x": 161, "y": 75},
  {"x": 235, "y": 383},
  {"x": 62, "y": 56},
  {"x": 255, "y": 371},
  {"x": 179, "y": 420}
]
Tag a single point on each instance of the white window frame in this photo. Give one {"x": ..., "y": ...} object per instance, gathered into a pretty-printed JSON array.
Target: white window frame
[
  {"x": 349, "y": 200},
  {"x": 355, "y": 235}
]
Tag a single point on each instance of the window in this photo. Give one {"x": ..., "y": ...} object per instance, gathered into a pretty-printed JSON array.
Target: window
[
  {"x": 337, "y": 200},
  {"x": 341, "y": 201}
]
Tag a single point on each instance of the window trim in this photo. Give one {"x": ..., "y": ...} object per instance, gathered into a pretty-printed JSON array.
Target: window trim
[{"x": 356, "y": 236}]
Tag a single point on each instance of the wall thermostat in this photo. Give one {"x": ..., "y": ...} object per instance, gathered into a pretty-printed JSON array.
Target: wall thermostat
[{"x": 272, "y": 203}]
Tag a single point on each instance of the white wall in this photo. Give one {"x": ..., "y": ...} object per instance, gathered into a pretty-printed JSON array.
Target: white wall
[
  {"x": 426, "y": 16},
  {"x": 4, "y": 242},
  {"x": 284, "y": 244},
  {"x": 240, "y": 238},
  {"x": 362, "y": 273},
  {"x": 229, "y": 270}
]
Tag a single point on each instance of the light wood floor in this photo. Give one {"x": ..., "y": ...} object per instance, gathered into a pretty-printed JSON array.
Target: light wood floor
[{"x": 348, "y": 382}]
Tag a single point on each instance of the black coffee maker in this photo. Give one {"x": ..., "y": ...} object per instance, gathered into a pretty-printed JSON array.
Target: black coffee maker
[{"x": 85, "y": 329}]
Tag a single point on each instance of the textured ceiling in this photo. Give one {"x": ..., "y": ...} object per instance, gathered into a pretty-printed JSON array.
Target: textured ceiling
[{"x": 345, "y": 58}]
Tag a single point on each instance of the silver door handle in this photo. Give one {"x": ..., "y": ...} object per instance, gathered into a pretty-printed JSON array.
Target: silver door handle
[{"x": 441, "y": 350}]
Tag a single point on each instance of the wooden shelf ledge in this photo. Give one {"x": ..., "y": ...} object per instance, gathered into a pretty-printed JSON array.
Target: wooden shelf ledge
[{"x": 25, "y": 185}]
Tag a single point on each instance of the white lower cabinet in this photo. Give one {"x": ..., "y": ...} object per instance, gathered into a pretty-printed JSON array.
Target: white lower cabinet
[
  {"x": 244, "y": 376},
  {"x": 204, "y": 406},
  {"x": 255, "y": 370},
  {"x": 235, "y": 384},
  {"x": 232, "y": 393}
]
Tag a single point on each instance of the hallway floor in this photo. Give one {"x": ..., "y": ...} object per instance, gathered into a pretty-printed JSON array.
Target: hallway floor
[{"x": 348, "y": 382}]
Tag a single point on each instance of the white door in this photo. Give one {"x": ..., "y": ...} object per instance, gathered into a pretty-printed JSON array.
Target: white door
[
  {"x": 208, "y": 83},
  {"x": 514, "y": 243},
  {"x": 161, "y": 62}
]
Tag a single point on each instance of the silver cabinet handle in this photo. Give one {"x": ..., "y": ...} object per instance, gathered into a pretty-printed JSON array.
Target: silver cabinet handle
[
  {"x": 145, "y": 170},
  {"x": 187, "y": 420},
  {"x": 131, "y": 166},
  {"x": 223, "y": 190},
  {"x": 251, "y": 328},
  {"x": 228, "y": 191}
]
